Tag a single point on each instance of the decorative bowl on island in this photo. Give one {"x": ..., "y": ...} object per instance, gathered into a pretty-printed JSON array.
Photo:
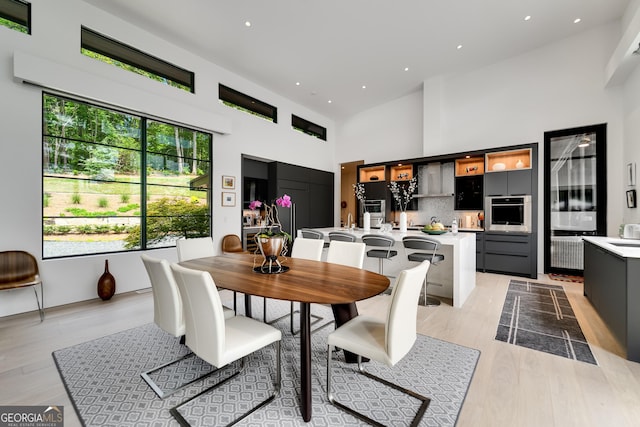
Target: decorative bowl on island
[{"x": 434, "y": 231}]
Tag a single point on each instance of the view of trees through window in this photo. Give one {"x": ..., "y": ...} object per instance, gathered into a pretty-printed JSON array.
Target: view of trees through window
[
  {"x": 14, "y": 26},
  {"x": 114, "y": 181}
]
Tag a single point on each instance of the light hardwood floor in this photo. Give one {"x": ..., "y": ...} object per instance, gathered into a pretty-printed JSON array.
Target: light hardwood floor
[{"x": 512, "y": 386}]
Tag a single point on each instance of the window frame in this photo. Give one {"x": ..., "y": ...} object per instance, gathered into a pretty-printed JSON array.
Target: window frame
[
  {"x": 310, "y": 128},
  {"x": 243, "y": 102},
  {"x": 121, "y": 52},
  {"x": 18, "y": 12},
  {"x": 145, "y": 185}
]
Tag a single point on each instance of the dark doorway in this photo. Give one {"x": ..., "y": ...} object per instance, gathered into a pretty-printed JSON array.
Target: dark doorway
[{"x": 575, "y": 194}]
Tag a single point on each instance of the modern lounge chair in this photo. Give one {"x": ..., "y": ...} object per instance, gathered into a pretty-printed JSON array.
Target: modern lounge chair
[{"x": 19, "y": 269}]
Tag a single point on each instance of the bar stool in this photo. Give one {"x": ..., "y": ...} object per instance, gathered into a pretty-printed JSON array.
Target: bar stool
[
  {"x": 429, "y": 247},
  {"x": 342, "y": 237},
  {"x": 308, "y": 233},
  {"x": 379, "y": 241}
]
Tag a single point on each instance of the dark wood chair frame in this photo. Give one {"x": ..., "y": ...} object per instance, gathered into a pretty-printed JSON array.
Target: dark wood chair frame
[{"x": 19, "y": 269}]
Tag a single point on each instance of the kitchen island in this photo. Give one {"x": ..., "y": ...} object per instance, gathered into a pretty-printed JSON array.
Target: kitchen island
[
  {"x": 456, "y": 274},
  {"x": 611, "y": 271}
]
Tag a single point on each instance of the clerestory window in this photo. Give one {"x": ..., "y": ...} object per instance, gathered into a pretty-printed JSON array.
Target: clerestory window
[
  {"x": 16, "y": 14},
  {"x": 105, "y": 49}
]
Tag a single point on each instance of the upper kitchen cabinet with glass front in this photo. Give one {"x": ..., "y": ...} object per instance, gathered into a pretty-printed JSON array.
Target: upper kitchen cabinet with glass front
[{"x": 469, "y": 183}]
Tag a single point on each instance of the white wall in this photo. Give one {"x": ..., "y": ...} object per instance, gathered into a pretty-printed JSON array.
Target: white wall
[
  {"x": 51, "y": 56},
  {"x": 632, "y": 136},
  {"x": 514, "y": 102},
  {"x": 392, "y": 131}
]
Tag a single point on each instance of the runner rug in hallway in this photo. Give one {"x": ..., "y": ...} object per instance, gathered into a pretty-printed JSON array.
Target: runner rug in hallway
[
  {"x": 102, "y": 378},
  {"x": 539, "y": 317}
]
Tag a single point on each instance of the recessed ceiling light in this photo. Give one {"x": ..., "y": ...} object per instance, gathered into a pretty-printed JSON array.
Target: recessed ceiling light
[
  {"x": 297, "y": 83},
  {"x": 329, "y": 101},
  {"x": 364, "y": 87},
  {"x": 527, "y": 18},
  {"x": 406, "y": 68},
  {"x": 575, "y": 21},
  {"x": 247, "y": 23},
  {"x": 459, "y": 47}
]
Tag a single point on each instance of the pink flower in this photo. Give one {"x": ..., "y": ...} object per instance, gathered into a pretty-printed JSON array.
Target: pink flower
[
  {"x": 284, "y": 201},
  {"x": 255, "y": 204}
]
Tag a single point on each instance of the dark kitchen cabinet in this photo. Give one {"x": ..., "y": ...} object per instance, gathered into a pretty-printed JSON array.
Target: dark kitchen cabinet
[
  {"x": 376, "y": 190},
  {"x": 509, "y": 183},
  {"x": 311, "y": 191},
  {"x": 511, "y": 253},
  {"x": 469, "y": 193},
  {"x": 480, "y": 251},
  {"x": 610, "y": 284}
]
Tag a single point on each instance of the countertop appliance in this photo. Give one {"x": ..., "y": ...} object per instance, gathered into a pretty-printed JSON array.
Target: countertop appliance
[
  {"x": 508, "y": 213},
  {"x": 631, "y": 231}
]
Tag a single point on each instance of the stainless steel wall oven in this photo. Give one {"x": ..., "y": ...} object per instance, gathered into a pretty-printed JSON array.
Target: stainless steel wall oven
[
  {"x": 376, "y": 209},
  {"x": 508, "y": 213}
]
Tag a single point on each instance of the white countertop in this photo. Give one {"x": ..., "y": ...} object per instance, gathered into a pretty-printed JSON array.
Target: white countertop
[{"x": 611, "y": 244}]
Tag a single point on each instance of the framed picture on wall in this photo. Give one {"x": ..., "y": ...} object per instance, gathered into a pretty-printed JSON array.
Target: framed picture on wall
[
  {"x": 631, "y": 199},
  {"x": 631, "y": 174},
  {"x": 228, "y": 199},
  {"x": 228, "y": 182}
]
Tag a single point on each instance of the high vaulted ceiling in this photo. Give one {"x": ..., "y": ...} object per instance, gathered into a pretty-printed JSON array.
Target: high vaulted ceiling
[{"x": 322, "y": 53}]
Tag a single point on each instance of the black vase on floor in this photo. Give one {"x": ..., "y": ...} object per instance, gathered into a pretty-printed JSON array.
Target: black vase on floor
[{"x": 106, "y": 283}]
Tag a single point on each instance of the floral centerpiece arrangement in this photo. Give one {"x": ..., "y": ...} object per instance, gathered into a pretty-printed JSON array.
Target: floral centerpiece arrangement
[
  {"x": 358, "y": 190},
  {"x": 272, "y": 240},
  {"x": 403, "y": 194}
]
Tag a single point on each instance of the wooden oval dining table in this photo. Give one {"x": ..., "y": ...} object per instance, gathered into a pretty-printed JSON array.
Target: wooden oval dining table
[{"x": 307, "y": 282}]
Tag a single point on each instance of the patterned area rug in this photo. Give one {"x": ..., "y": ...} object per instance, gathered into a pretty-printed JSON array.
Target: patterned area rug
[
  {"x": 103, "y": 380},
  {"x": 539, "y": 317}
]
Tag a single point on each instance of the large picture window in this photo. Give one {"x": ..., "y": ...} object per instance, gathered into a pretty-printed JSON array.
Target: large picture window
[{"x": 114, "y": 181}]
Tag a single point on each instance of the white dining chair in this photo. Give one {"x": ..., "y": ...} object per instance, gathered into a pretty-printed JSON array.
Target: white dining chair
[
  {"x": 308, "y": 249},
  {"x": 198, "y": 247},
  {"x": 385, "y": 341},
  {"x": 217, "y": 340},
  {"x": 346, "y": 253},
  {"x": 168, "y": 314},
  {"x": 304, "y": 249}
]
